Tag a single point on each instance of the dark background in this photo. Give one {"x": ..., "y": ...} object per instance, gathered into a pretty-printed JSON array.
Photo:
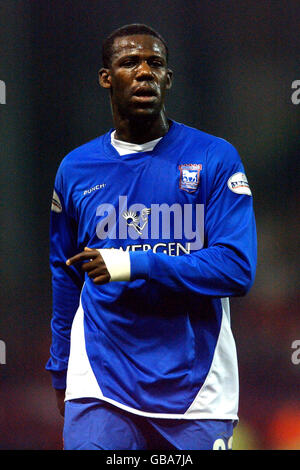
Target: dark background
[{"x": 234, "y": 63}]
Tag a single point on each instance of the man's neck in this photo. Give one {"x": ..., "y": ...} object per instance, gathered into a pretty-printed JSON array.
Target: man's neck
[{"x": 139, "y": 131}]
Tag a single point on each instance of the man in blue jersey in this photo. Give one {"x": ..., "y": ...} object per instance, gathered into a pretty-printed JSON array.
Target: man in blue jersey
[{"x": 152, "y": 231}]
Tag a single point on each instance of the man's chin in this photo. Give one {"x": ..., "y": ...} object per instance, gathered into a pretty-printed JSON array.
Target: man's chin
[{"x": 140, "y": 112}]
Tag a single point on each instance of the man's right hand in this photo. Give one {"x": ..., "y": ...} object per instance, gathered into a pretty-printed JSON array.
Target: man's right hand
[{"x": 93, "y": 265}]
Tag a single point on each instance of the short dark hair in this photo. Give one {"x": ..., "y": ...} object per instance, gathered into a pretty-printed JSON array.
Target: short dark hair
[{"x": 128, "y": 30}]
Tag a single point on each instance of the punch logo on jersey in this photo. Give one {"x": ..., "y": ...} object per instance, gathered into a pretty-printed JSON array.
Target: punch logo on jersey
[
  {"x": 189, "y": 176},
  {"x": 56, "y": 204},
  {"x": 238, "y": 184}
]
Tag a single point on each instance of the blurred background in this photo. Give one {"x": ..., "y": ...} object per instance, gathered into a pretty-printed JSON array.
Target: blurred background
[{"x": 234, "y": 64}]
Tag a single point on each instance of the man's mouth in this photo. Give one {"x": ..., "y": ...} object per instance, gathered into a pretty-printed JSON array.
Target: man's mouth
[{"x": 144, "y": 94}]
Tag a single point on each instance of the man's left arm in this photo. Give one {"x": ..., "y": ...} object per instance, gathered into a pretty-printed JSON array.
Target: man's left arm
[{"x": 226, "y": 265}]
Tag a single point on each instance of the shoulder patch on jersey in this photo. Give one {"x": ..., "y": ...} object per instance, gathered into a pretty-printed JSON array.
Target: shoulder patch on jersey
[
  {"x": 189, "y": 176},
  {"x": 56, "y": 204},
  {"x": 238, "y": 184}
]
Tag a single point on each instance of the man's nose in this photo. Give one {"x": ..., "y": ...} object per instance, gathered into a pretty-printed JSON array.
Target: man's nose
[{"x": 144, "y": 71}]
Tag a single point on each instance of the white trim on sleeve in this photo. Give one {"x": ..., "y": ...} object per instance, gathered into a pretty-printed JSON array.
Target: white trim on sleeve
[{"x": 117, "y": 263}]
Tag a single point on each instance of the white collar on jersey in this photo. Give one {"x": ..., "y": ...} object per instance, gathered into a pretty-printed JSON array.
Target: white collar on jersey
[{"x": 124, "y": 148}]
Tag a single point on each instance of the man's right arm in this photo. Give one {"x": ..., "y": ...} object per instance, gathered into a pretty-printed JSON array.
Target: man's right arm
[{"x": 67, "y": 283}]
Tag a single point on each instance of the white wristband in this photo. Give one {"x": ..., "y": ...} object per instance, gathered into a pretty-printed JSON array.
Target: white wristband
[{"x": 117, "y": 263}]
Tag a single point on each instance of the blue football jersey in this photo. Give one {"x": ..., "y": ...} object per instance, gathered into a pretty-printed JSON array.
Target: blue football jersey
[{"x": 160, "y": 344}]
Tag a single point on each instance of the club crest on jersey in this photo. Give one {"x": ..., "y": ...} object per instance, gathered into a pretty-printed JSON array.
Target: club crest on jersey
[{"x": 189, "y": 176}]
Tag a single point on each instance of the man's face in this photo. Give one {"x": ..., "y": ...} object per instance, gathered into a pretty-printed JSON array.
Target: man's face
[{"x": 138, "y": 76}]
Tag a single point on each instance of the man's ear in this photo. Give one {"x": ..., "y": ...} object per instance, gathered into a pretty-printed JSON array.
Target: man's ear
[
  {"x": 169, "y": 79},
  {"x": 104, "y": 78}
]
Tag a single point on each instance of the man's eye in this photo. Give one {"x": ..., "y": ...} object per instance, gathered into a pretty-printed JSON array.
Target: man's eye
[
  {"x": 128, "y": 63},
  {"x": 157, "y": 63}
]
